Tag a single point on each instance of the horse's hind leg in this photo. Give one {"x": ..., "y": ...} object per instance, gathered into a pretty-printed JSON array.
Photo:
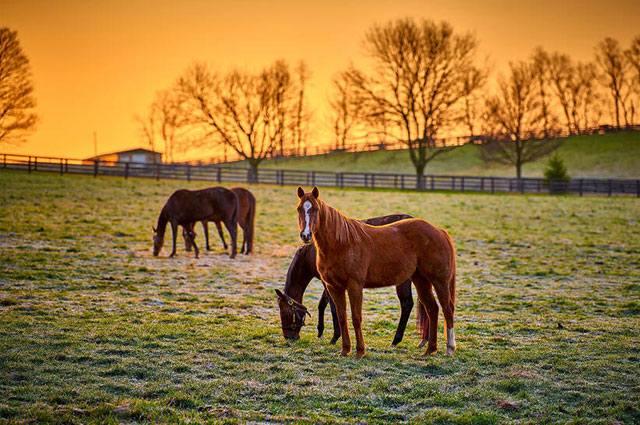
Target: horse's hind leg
[
  {"x": 340, "y": 301},
  {"x": 406, "y": 305},
  {"x": 425, "y": 294},
  {"x": 219, "y": 227},
  {"x": 448, "y": 309}
]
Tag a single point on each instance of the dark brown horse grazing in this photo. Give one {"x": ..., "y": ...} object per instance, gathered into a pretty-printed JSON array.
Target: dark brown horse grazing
[
  {"x": 185, "y": 207},
  {"x": 303, "y": 269},
  {"x": 246, "y": 221},
  {"x": 353, "y": 255}
]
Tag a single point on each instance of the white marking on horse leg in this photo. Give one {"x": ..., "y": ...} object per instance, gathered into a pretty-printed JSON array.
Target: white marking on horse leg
[
  {"x": 451, "y": 342},
  {"x": 306, "y": 232}
]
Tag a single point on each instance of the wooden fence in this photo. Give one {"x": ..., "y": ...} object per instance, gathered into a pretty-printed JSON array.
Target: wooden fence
[{"x": 227, "y": 174}]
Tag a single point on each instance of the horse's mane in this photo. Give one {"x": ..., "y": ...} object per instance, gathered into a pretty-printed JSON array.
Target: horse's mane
[{"x": 346, "y": 230}]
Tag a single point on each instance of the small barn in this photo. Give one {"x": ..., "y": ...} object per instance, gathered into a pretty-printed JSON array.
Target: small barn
[{"x": 139, "y": 156}]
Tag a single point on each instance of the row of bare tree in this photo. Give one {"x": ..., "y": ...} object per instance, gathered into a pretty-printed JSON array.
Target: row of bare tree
[
  {"x": 252, "y": 114},
  {"x": 423, "y": 80}
]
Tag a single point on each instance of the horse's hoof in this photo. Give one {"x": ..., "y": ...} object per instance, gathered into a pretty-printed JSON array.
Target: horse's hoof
[
  {"x": 360, "y": 354},
  {"x": 450, "y": 351},
  {"x": 334, "y": 340},
  {"x": 422, "y": 343},
  {"x": 320, "y": 332},
  {"x": 344, "y": 353},
  {"x": 431, "y": 350}
]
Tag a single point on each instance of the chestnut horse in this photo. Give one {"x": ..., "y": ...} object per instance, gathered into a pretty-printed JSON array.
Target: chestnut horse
[
  {"x": 303, "y": 268},
  {"x": 352, "y": 255},
  {"x": 185, "y": 207},
  {"x": 246, "y": 221}
]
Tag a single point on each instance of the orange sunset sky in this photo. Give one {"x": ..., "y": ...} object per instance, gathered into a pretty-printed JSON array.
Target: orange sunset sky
[{"x": 97, "y": 63}]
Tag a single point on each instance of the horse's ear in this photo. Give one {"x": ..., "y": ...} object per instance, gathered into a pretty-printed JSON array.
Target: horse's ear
[
  {"x": 315, "y": 192},
  {"x": 280, "y": 294},
  {"x": 300, "y": 192}
]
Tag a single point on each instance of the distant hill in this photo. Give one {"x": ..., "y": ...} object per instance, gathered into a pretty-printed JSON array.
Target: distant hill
[{"x": 614, "y": 155}]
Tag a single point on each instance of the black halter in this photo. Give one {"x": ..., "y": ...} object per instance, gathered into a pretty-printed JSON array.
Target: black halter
[{"x": 299, "y": 312}]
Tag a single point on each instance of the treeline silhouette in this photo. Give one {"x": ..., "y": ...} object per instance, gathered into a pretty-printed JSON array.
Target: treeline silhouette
[{"x": 420, "y": 82}]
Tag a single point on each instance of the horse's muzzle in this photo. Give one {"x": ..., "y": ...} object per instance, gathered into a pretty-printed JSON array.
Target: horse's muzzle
[{"x": 306, "y": 238}]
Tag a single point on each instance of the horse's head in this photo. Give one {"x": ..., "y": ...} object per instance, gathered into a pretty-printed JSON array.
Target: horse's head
[
  {"x": 292, "y": 315},
  {"x": 308, "y": 207},
  {"x": 157, "y": 242}
]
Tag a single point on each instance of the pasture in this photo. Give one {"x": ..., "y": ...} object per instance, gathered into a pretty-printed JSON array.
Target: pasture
[{"x": 94, "y": 329}]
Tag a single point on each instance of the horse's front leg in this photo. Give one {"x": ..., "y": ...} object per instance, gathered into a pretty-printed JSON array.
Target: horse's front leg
[
  {"x": 322, "y": 305},
  {"x": 340, "y": 301},
  {"x": 355, "y": 299},
  {"x": 174, "y": 233},
  {"x": 205, "y": 228}
]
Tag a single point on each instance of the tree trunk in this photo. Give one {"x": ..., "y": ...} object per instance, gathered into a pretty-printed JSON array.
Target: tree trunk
[
  {"x": 252, "y": 177},
  {"x": 420, "y": 180}
]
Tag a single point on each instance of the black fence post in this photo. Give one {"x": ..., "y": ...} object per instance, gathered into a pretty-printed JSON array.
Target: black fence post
[
  {"x": 126, "y": 170},
  {"x": 638, "y": 187},
  {"x": 481, "y": 184},
  {"x": 610, "y": 187},
  {"x": 95, "y": 168},
  {"x": 5, "y": 160},
  {"x": 521, "y": 184},
  {"x": 35, "y": 163},
  {"x": 373, "y": 181},
  {"x": 402, "y": 181},
  {"x": 157, "y": 172},
  {"x": 29, "y": 165},
  {"x": 218, "y": 175},
  {"x": 281, "y": 177},
  {"x": 66, "y": 165},
  {"x": 462, "y": 184},
  {"x": 366, "y": 180},
  {"x": 432, "y": 184},
  {"x": 188, "y": 172},
  {"x": 493, "y": 185},
  {"x": 453, "y": 183},
  {"x": 61, "y": 169},
  {"x": 580, "y": 184}
]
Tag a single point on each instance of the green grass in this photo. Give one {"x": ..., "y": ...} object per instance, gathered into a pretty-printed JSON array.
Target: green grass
[
  {"x": 94, "y": 329},
  {"x": 606, "y": 156}
]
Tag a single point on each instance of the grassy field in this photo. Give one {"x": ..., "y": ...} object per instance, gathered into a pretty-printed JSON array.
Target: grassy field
[
  {"x": 607, "y": 156},
  {"x": 94, "y": 329}
]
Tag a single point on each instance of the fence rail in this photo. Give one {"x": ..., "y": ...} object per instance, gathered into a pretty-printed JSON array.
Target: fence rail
[{"x": 226, "y": 174}]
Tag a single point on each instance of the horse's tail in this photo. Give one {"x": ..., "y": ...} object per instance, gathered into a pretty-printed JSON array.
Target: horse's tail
[
  {"x": 251, "y": 218},
  {"x": 422, "y": 321}
]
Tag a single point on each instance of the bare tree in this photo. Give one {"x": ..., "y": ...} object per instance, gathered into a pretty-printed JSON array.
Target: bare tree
[
  {"x": 416, "y": 79},
  {"x": 302, "y": 115},
  {"x": 512, "y": 118},
  {"x": 574, "y": 87},
  {"x": 540, "y": 67},
  {"x": 147, "y": 128},
  {"x": 344, "y": 108},
  {"x": 17, "y": 101},
  {"x": 633, "y": 57},
  {"x": 473, "y": 82},
  {"x": 249, "y": 113},
  {"x": 614, "y": 69}
]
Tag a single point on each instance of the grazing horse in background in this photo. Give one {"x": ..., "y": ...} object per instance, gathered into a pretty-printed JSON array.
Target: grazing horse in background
[
  {"x": 185, "y": 207},
  {"x": 303, "y": 268},
  {"x": 246, "y": 221},
  {"x": 353, "y": 255}
]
